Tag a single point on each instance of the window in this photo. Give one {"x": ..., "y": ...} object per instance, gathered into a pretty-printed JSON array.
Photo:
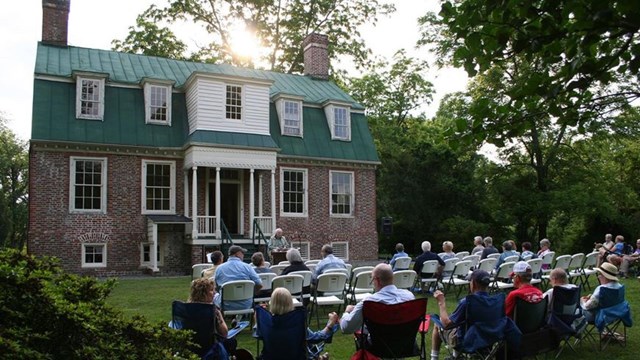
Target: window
[
  {"x": 341, "y": 124},
  {"x": 94, "y": 255},
  {"x": 145, "y": 254},
  {"x": 157, "y": 104},
  {"x": 293, "y": 183},
  {"x": 303, "y": 247},
  {"x": 158, "y": 187},
  {"x": 234, "y": 102},
  {"x": 341, "y": 249},
  {"x": 89, "y": 98},
  {"x": 291, "y": 115},
  {"x": 341, "y": 193},
  {"x": 88, "y": 180}
]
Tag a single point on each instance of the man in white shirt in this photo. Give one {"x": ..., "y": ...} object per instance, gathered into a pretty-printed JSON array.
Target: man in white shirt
[{"x": 607, "y": 275}]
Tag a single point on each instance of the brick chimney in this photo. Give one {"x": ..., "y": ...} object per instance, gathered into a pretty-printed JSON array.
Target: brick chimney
[
  {"x": 316, "y": 56},
  {"x": 55, "y": 21}
]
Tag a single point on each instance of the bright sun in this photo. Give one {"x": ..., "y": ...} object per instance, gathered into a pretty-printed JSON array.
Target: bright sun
[{"x": 244, "y": 44}]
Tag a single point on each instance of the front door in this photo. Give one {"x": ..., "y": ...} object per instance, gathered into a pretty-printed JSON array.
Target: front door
[{"x": 229, "y": 205}]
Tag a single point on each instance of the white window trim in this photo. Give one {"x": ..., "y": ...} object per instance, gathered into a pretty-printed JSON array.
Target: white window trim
[
  {"x": 72, "y": 187},
  {"x": 280, "y": 109},
  {"x": 79, "y": 113},
  {"x": 304, "y": 247},
  {"x": 172, "y": 192},
  {"x": 94, "y": 265},
  {"x": 305, "y": 180},
  {"x": 147, "y": 103},
  {"x": 242, "y": 101},
  {"x": 329, "y": 111},
  {"x": 352, "y": 199},
  {"x": 337, "y": 245},
  {"x": 160, "y": 254}
]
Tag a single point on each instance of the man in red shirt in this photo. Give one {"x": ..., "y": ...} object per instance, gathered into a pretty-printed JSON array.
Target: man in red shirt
[{"x": 521, "y": 277}]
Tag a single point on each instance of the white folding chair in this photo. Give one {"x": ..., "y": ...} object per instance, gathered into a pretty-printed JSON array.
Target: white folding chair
[
  {"x": 488, "y": 265},
  {"x": 428, "y": 274},
  {"x": 312, "y": 262},
  {"x": 361, "y": 286},
  {"x": 574, "y": 270},
  {"x": 459, "y": 276},
  {"x": 404, "y": 279},
  {"x": 285, "y": 263},
  {"x": 562, "y": 262},
  {"x": 291, "y": 282},
  {"x": 196, "y": 270},
  {"x": 547, "y": 260},
  {"x": 329, "y": 291},
  {"x": 449, "y": 265},
  {"x": 267, "y": 279},
  {"x": 354, "y": 273},
  {"x": 501, "y": 281},
  {"x": 512, "y": 258},
  {"x": 462, "y": 254},
  {"x": 475, "y": 259},
  {"x": 588, "y": 268},
  {"x": 277, "y": 269},
  {"x": 402, "y": 263},
  {"x": 312, "y": 267},
  {"x": 306, "y": 283},
  {"x": 536, "y": 265},
  {"x": 235, "y": 291},
  {"x": 493, "y": 256}
]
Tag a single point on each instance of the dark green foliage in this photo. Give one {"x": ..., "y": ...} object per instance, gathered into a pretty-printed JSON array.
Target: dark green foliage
[
  {"x": 14, "y": 180},
  {"x": 49, "y": 314}
]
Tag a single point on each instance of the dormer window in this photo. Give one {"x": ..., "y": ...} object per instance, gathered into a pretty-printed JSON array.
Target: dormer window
[
  {"x": 339, "y": 120},
  {"x": 234, "y": 102},
  {"x": 289, "y": 109},
  {"x": 89, "y": 98},
  {"x": 157, "y": 100}
]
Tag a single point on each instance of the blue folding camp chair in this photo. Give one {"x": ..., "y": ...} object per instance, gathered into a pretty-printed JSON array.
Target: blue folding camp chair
[
  {"x": 199, "y": 318},
  {"x": 613, "y": 312},
  {"x": 565, "y": 316}
]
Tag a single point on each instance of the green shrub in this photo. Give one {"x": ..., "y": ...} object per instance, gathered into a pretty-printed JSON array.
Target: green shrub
[{"x": 48, "y": 314}]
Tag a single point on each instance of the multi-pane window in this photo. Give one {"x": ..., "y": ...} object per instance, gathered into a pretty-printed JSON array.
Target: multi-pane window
[
  {"x": 89, "y": 98},
  {"x": 294, "y": 196},
  {"x": 158, "y": 104},
  {"x": 341, "y": 123},
  {"x": 234, "y": 102},
  {"x": 158, "y": 187},
  {"x": 341, "y": 193},
  {"x": 88, "y": 185},
  {"x": 94, "y": 255},
  {"x": 291, "y": 118},
  {"x": 146, "y": 254}
]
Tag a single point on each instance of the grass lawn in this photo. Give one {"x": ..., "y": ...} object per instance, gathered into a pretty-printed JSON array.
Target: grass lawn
[{"x": 152, "y": 297}]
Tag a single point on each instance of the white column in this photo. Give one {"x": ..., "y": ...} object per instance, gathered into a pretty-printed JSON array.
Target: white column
[
  {"x": 218, "y": 215},
  {"x": 273, "y": 200},
  {"x": 154, "y": 247},
  {"x": 194, "y": 202},
  {"x": 185, "y": 183},
  {"x": 252, "y": 200},
  {"x": 260, "y": 211}
]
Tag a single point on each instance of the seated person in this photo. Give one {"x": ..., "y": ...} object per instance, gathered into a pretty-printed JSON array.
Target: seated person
[
  {"x": 526, "y": 252},
  {"x": 521, "y": 277},
  {"x": 426, "y": 256},
  {"x": 604, "y": 248},
  {"x": 447, "y": 248},
  {"x": 260, "y": 267},
  {"x": 628, "y": 260},
  {"x": 216, "y": 258},
  {"x": 281, "y": 303},
  {"x": 488, "y": 248},
  {"x": 328, "y": 262},
  {"x": 558, "y": 277},
  {"x": 478, "y": 246},
  {"x": 296, "y": 264},
  {"x": 399, "y": 253},
  {"x": 455, "y": 322},
  {"x": 507, "y": 250},
  {"x": 607, "y": 275}
]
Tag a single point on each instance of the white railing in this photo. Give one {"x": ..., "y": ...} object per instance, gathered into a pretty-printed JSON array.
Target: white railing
[
  {"x": 266, "y": 224},
  {"x": 207, "y": 225}
]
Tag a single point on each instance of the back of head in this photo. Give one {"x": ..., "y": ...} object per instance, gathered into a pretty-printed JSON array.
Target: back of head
[
  {"x": 217, "y": 257},
  {"x": 384, "y": 273},
  {"x": 526, "y": 245},
  {"x": 545, "y": 243},
  {"x": 280, "y": 302},
  {"x": 619, "y": 238},
  {"x": 507, "y": 245},
  {"x": 477, "y": 240},
  {"x": 327, "y": 249},
  {"x": 522, "y": 269},
  {"x": 399, "y": 247},
  {"x": 559, "y": 276},
  {"x": 201, "y": 290},
  {"x": 447, "y": 246},
  {"x": 488, "y": 241},
  {"x": 481, "y": 279},
  {"x": 293, "y": 255},
  {"x": 257, "y": 259},
  {"x": 426, "y": 246}
]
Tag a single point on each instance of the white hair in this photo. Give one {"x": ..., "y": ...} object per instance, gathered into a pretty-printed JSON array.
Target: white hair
[{"x": 426, "y": 246}]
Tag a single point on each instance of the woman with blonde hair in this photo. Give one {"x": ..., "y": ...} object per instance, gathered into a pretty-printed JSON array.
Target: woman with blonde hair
[{"x": 282, "y": 303}]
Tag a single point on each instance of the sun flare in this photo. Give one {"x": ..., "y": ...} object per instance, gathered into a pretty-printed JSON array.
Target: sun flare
[{"x": 244, "y": 44}]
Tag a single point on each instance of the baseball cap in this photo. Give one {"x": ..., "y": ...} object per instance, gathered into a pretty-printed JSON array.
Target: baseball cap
[
  {"x": 481, "y": 277},
  {"x": 521, "y": 267},
  {"x": 235, "y": 248}
]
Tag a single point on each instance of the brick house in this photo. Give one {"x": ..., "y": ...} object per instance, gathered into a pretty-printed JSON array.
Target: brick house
[{"x": 143, "y": 164}]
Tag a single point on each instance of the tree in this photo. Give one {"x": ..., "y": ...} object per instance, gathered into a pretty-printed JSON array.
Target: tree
[
  {"x": 278, "y": 25},
  {"x": 14, "y": 182}
]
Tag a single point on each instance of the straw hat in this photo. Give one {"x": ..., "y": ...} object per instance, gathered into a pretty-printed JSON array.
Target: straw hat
[{"x": 609, "y": 271}]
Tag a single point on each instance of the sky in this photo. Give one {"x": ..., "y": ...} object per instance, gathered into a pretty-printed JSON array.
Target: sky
[{"x": 94, "y": 24}]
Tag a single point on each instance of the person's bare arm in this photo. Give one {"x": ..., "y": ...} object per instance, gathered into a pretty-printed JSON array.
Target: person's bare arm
[
  {"x": 442, "y": 306},
  {"x": 221, "y": 326}
]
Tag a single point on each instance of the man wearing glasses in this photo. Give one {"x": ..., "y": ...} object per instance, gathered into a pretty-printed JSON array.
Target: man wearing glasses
[{"x": 521, "y": 277}]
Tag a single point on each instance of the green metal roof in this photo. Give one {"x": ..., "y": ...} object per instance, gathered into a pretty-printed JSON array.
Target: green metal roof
[
  {"x": 131, "y": 69},
  {"x": 231, "y": 139}
]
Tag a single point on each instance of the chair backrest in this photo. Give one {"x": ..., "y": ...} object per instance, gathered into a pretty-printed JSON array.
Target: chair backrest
[
  {"x": 311, "y": 267},
  {"x": 462, "y": 254},
  {"x": 450, "y": 264},
  {"x": 402, "y": 263},
  {"x": 564, "y": 309},
  {"x": 283, "y": 336},
  {"x": 563, "y": 262},
  {"x": 547, "y": 259},
  {"x": 610, "y": 297},
  {"x": 359, "y": 269},
  {"x": 536, "y": 265},
  {"x": 332, "y": 282},
  {"x": 291, "y": 282},
  {"x": 512, "y": 258},
  {"x": 576, "y": 261},
  {"x": 266, "y": 279},
  {"x": 530, "y": 317},
  {"x": 237, "y": 290},
  {"x": 197, "y": 317},
  {"x": 505, "y": 270},
  {"x": 487, "y": 264},
  {"x": 494, "y": 256},
  {"x": 393, "y": 328},
  {"x": 278, "y": 268},
  {"x": 429, "y": 268},
  {"x": 196, "y": 270},
  {"x": 475, "y": 259},
  {"x": 337, "y": 270},
  {"x": 462, "y": 268},
  {"x": 312, "y": 262},
  {"x": 486, "y": 315},
  {"x": 306, "y": 274},
  {"x": 285, "y": 263},
  {"x": 363, "y": 280},
  {"x": 590, "y": 260},
  {"x": 404, "y": 279}
]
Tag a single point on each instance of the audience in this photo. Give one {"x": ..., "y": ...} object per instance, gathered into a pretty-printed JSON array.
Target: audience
[
  {"x": 607, "y": 275},
  {"x": 295, "y": 262},
  {"x": 558, "y": 277},
  {"x": 426, "y": 256},
  {"x": 328, "y": 262},
  {"x": 605, "y": 248},
  {"x": 203, "y": 291},
  {"x": 545, "y": 248},
  {"x": 399, "y": 253},
  {"x": 526, "y": 252},
  {"x": 236, "y": 269},
  {"x": 628, "y": 260},
  {"x": 507, "y": 250},
  {"x": 216, "y": 258},
  {"x": 385, "y": 292},
  {"x": 257, "y": 259},
  {"x": 521, "y": 277},
  {"x": 488, "y": 248},
  {"x": 447, "y": 248},
  {"x": 477, "y": 246}
]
